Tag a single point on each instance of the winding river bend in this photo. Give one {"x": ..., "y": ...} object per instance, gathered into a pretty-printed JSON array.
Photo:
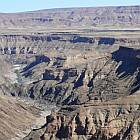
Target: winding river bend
[{"x": 44, "y": 107}]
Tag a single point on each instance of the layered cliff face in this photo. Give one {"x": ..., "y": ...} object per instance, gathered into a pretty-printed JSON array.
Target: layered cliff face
[
  {"x": 78, "y": 79},
  {"x": 38, "y": 44},
  {"x": 103, "y": 103},
  {"x": 66, "y": 65},
  {"x": 73, "y": 17},
  {"x": 114, "y": 120},
  {"x": 81, "y": 59}
]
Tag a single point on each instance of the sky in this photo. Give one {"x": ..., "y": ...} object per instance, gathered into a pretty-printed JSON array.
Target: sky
[{"x": 9, "y": 6}]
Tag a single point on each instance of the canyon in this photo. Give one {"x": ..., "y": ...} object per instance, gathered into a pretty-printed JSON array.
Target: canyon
[{"x": 79, "y": 66}]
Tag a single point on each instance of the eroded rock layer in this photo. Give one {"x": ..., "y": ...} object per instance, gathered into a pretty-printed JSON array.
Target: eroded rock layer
[
  {"x": 35, "y": 44},
  {"x": 103, "y": 103},
  {"x": 118, "y": 119},
  {"x": 75, "y": 80}
]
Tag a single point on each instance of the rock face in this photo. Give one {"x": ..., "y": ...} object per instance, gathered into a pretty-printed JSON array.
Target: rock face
[
  {"x": 67, "y": 81},
  {"x": 38, "y": 44},
  {"x": 82, "y": 59},
  {"x": 103, "y": 103},
  {"x": 118, "y": 119},
  {"x": 73, "y": 17}
]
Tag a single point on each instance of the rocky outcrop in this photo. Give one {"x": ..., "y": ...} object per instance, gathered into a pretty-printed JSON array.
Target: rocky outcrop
[
  {"x": 117, "y": 119},
  {"x": 100, "y": 92},
  {"x": 95, "y": 78}
]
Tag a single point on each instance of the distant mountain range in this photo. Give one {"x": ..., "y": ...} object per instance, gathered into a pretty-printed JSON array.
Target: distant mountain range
[{"x": 75, "y": 17}]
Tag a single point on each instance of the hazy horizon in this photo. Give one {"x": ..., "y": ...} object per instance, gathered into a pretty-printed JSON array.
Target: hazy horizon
[{"x": 21, "y": 6}]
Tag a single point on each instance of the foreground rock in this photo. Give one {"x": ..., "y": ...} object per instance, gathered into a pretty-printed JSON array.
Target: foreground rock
[
  {"x": 115, "y": 120},
  {"x": 15, "y": 117}
]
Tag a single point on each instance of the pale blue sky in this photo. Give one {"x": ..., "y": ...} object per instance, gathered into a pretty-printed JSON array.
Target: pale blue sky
[{"x": 29, "y": 5}]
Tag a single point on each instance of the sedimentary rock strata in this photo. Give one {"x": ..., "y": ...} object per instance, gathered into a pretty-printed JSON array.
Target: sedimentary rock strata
[
  {"x": 73, "y": 17},
  {"x": 82, "y": 59}
]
